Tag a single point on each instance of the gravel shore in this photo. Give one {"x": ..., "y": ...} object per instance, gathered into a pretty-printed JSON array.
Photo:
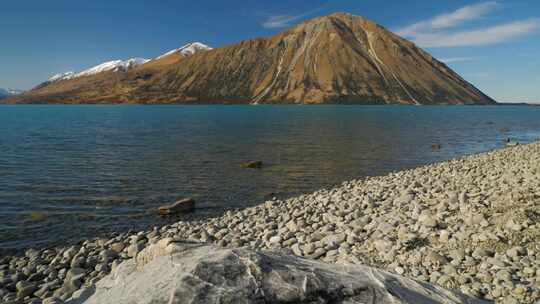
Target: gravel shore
[{"x": 470, "y": 224}]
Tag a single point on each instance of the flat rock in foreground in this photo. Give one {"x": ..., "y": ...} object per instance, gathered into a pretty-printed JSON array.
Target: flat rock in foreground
[{"x": 171, "y": 272}]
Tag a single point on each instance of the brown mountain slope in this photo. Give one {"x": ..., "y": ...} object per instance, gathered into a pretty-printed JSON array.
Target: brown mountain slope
[{"x": 338, "y": 58}]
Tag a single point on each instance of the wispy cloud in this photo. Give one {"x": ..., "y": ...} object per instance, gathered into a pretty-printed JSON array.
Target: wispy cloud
[
  {"x": 478, "y": 37},
  {"x": 434, "y": 32},
  {"x": 456, "y": 59},
  {"x": 448, "y": 20},
  {"x": 280, "y": 21}
]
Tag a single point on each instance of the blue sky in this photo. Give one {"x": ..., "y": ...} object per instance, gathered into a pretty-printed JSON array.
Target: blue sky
[{"x": 493, "y": 44}]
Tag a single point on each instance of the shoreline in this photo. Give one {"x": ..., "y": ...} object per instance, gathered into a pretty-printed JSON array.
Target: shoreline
[{"x": 470, "y": 223}]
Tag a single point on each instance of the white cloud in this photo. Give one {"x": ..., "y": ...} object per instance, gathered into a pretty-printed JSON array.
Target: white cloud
[
  {"x": 478, "y": 37},
  {"x": 279, "y": 21},
  {"x": 456, "y": 59},
  {"x": 434, "y": 31},
  {"x": 448, "y": 20}
]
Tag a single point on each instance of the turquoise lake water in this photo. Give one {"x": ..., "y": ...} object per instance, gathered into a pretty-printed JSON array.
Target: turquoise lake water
[{"x": 71, "y": 172}]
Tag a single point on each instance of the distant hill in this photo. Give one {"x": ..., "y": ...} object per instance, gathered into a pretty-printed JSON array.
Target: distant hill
[
  {"x": 340, "y": 58},
  {"x": 4, "y": 93},
  {"x": 518, "y": 104}
]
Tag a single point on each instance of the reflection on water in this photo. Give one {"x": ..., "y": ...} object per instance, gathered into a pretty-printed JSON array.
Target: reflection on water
[{"x": 68, "y": 172}]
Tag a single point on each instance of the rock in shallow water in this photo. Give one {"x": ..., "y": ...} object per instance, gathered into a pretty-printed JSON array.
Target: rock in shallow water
[
  {"x": 182, "y": 206},
  {"x": 255, "y": 164},
  {"x": 195, "y": 273}
]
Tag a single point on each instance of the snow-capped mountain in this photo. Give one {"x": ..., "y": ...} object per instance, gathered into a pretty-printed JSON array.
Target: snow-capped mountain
[
  {"x": 62, "y": 76},
  {"x": 334, "y": 59},
  {"x": 188, "y": 49},
  {"x": 114, "y": 65},
  {"x": 124, "y": 65},
  {"x": 9, "y": 92}
]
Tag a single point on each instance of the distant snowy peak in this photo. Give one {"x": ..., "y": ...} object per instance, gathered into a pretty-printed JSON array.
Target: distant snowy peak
[
  {"x": 9, "y": 92},
  {"x": 114, "y": 65},
  {"x": 188, "y": 49},
  {"x": 14, "y": 92}
]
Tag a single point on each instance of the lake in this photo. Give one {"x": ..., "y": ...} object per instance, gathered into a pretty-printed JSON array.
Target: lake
[{"x": 72, "y": 172}]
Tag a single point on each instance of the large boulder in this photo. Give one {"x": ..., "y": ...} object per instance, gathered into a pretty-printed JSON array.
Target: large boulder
[{"x": 179, "y": 272}]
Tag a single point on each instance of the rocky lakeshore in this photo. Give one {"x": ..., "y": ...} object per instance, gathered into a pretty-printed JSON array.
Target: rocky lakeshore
[{"x": 471, "y": 224}]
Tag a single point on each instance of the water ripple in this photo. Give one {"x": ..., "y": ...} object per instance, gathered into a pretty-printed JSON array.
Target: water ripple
[{"x": 70, "y": 172}]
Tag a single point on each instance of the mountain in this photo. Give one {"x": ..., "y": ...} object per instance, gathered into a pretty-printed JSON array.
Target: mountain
[
  {"x": 9, "y": 92},
  {"x": 114, "y": 65},
  {"x": 126, "y": 65},
  {"x": 62, "y": 76},
  {"x": 4, "y": 93},
  {"x": 187, "y": 50},
  {"x": 340, "y": 58},
  {"x": 173, "y": 56}
]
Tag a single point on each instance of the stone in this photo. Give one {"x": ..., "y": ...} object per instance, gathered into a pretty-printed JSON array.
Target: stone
[
  {"x": 319, "y": 252},
  {"x": 52, "y": 300},
  {"x": 334, "y": 240},
  {"x": 296, "y": 249},
  {"x": 70, "y": 253},
  {"x": 208, "y": 274},
  {"x": 512, "y": 143},
  {"x": 108, "y": 255},
  {"x": 515, "y": 252},
  {"x": 134, "y": 249},
  {"x": 182, "y": 206},
  {"x": 255, "y": 164},
  {"x": 480, "y": 253},
  {"x": 118, "y": 247},
  {"x": 444, "y": 236},
  {"x": 81, "y": 295},
  {"x": 291, "y": 225},
  {"x": 275, "y": 240},
  {"x": 32, "y": 253},
  {"x": 103, "y": 267},
  {"x": 427, "y": 219},
  {"x": 25, "y": 289},
  {"x": 74, "y": 272},
  {"x": 435, "y": 258},
  {"x": 73, "y": 280},
  {"x": 504, "y": 275},
  {"x": 382, "y": 246}
]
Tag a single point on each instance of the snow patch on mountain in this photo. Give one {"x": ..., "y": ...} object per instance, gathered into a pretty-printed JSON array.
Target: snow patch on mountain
[
  {"x": 62, "y": 76},
  {"x": 114, "y": 65},
  {"x": 188, "y": 49}
]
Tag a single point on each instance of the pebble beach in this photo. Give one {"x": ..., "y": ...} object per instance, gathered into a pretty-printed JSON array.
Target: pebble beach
[{"x": 470, "y": 224}]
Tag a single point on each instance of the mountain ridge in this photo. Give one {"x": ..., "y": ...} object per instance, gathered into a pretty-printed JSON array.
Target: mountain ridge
[
  {"x": 339, "y": 58},
  {"x": 4, "y": 93}
]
